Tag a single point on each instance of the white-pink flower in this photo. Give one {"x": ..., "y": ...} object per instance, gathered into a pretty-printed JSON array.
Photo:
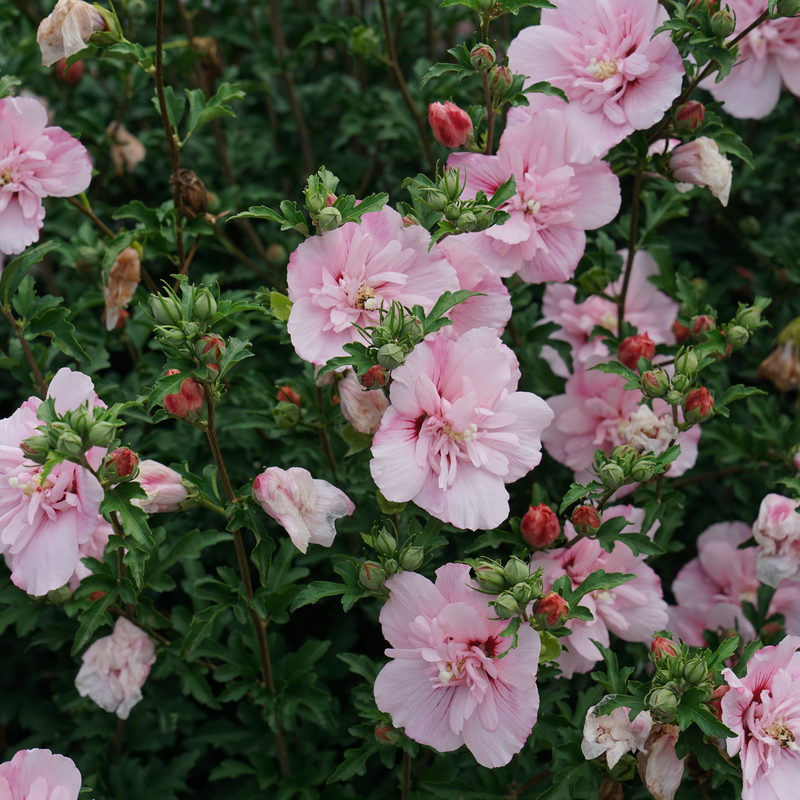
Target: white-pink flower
[
  {"x": 769, "y": 57},
  {"x": 115, "y": 668},
  {"x": 632, "y": 611},
  {"x": 35, "y": 162},
  {"x": 555, "y": 203},
  {"x": 763, "y": 710},
  {"x": 39, "y": 774},
  {"x": 67, "y": 30},
  {"x": 602, "y": 53},
  {"x": 362, "y": 408},
  {"x": 447, "y": 684},
  {"x": 164, "y": 487},
  {"x": 340, "y": 278},
  {"x": 699, "y": 163},
  {"x": 658, "y": 764},
  {"x": 648, "y": 433},
  {"x": 43, "y": 525},
  {"x": 777, "y": 530},
  {"x": 614, "y": 734},
  {"x": 304, "y": 506},
  {"x": 457, "y": 430}
]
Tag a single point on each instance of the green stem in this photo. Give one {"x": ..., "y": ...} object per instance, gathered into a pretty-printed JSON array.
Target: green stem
[
  {"x": 206, "y": 503},
  {"x": 490, "y": 115},
  {"x": 406, "y": 790},
  {"x": 37, "y": 373},
  {"x": 89, "y": 213}
]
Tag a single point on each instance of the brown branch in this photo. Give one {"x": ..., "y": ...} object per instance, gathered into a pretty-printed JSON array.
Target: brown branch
[
  {"x": 490, "y": 115},
  {"x": 633, "y": 238},
  {"x": 37, "y": 373},
  {"x": 92, "y": 216}
]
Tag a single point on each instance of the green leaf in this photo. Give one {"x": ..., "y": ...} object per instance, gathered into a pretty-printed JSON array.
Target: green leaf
[
  {"x": 355, "y": 762},
  {"x": 374, "y": 202},
  {"x": 738, "y": 392},
  {"x": 708, "y": 754},
  {"x": 201, "y": 628},
  {"x": 262, "y": 557},
  {"x": 577, "y": 491},
  {"x": 6, "y": 82},
  {"x": 726, "y": 649},
  {"x": 543, "y": 87},
  {"x": 280, "y": 306},
  {"x": 741, "y": 665},
  {"x": 692, "y": 709},
  {"x": 439, "y": 69},
  {"x": 193, "y": 682},
  {"x": 137, "y": 210},
  {"x": 235, "y": 352},
  {"x": 615, "y": 368},
  {"x": 15, "y": 272},
  {"x": 92, "y": 618},
  {"x": 54, "y": 323},
  {"x": 316, "y": 591},
  {"x": 175, "y": 105},
  {"x": 290, "y": 219},
  {"x": 598, "y": 581},
  {"x": 217, "y": 106}
]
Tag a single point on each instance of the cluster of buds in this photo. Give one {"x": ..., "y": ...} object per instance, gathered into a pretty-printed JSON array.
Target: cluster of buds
[
  {"x": 189, "y": 403},
  {"x": 391, "y": 558},
  {"x": 320, "y": 196},
  {"x": 624, "y": 465},
  {"x": 697, "y": 403},
  {"x": 515, "y": 587},
  {"x": 287, "y": 412}
]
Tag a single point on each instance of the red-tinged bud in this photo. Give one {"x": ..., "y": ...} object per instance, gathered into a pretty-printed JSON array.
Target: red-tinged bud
[
  {"x": 555, "y": 606},
  {"x": 722, "y": 23},
  {"x": 96, "y": 596},
  {"x": 585, "y": 519},
  {"x": 409, "y": 221},
  {"x": 698, "y": 405},
  {"x": 210, "y": 348},
  {"x": 690, "y": 115},
  {"x": 715, "y": 700},
  {"x": 124, "y": 316},
  {"x": 635, "y": 347},
  {"x": 189, "y": 402},
  {"x": 540, "y": 527},
  {"x": 482, "y": 57},
  {"x": 70, "y": 75},
  {"x": 771, "y": 628},
  {"x": 451, "y": 126},
  {"x": 682, "y": 333},
  {"x": 373, "y": 375},
  {"x": 499, "y": 80},
  {"x": 662, "y": 648},
  {"x": 655, "y": 384},
  {"x": 122, "y": 463},
  {"x": 288, "y": 395},
  {"x": 701, "y": 324},
  {"x": 386, "y": 735},
  {"x": 335, "y": 399}
]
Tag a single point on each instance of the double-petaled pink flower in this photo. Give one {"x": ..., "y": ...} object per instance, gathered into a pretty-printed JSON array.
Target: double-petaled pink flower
[
  {"x": 447, "y": 684},
  {"x": 777, "y": 530},
  {"x": 39, "y": 775},
  {"x": 36, "y": 161},
  {"x": 457, "y": 430}
]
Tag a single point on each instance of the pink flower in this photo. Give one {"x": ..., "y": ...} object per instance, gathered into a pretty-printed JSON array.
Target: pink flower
[
  {"x": 35, "y": 162},
  {"x": 34, "y": 774},
  {"x": 647, "y": 308},
  {"x": 95, "y": 547},
  {"x": 768, "y": 57},
  {"x": 304, "y": 506},
  {"x": 343, "y": 276},
  {"x": 711, "y": 588},
  {"x": 763, "y": 710},
  {"x": 632, "y": 611},
  {"x": 362, "y": 408},
  {"x": 614, "y": 734},
  {"x": 457, "y": 430},
  {"x": 556, "y": 201},
  {"x": 43, "y": 525},
  {"x": 165, "y": 488},
  {"x": 492, "y": 308},
  {"x": 446, "y": 684},
  {"x": 451, "y": 126},
  {"x": 699, "y": 163},
  {"x": 648, "y": 433},
  {"x": 67, "y": 30},
  {"x": 115, "y": 668},
  {"x": 777, "y": 530},
  {"x": 602, "y": 53},
  {"x": 659, "y": 767}
]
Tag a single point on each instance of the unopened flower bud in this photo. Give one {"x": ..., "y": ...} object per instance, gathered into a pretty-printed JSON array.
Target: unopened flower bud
[
  {"x": 655, "y": 384},
  {"x": 121, "y": 464},
  {"x": 101, "y": 433},
  {"x": 643, "y": 470},
  {"x": 286, "y": 415},
  {"x": 523, "y": 594},
  {"x": 373, "y": 377},
  {"x": 701, "y": 324},
  {"x": 715, "y": 700},
  {"x": 661, "y": 648},
  {"x": 386, "y": 544},
  {"x": 681, "y": 383},
  {"x": 411, "y": 558},
  {"x": 35, "y": 445},
  {"x": 695, "y": 670},
  {"x": 690, "y": 115},
  {"x": 482, "y": 57},
  {"x": 594, "y": 280},
  {"x": 61, "y": 595},
  {"x": 451, "y": 125},
  {"x": 506, "y": 606},
  {"x": 611, "y": 475},
  {"x": 682, "y": 333},
  {"x": 210, "y": 348},
  {"x": 539, "y": 526},
  {"x": 205, "y": 306},
  {"x": 165, "y": 310},
  {"x": 491, "y": 578},
  {"x": 391, "y": 356},
  {"x": 738, "y": 336},
  {"x": 722, "y": 23},
  {"x": 664, "y": 703},
  {"x": 486, "y": 5},
  {"x": 635, "y": 347},
  {"x": 95, "y": 596},
  {"x": 386, "y": 735},
  {"x": 686, "y": 363},
  {"x": 555, "y": 607},
  {"x": 391, "y": 566},
  {"x": 749, "y": 318},
  {"x": 466, "y": 221},
  {"x": 698, "y": 405},
  {"x": 413, "y": 329},
  {"x": 516, "y": 571},
  {"x": 316, "y": 200},
  {"x": 787, "y": 8},
  {"x": 69, "y": 442},
  {"x": 80, "y": 420},
  {"x": 288, "y": 395},
  {"x": 436, "y": 199},
  {"x": 372, "y": 576},
  {"x": 70, "y": 75},
  {"x": 585, "y": 519},
  {"x": 452, "y": 185},
  {"x": 188, "y": 403},
  {"x": 329, "y": 218},
  {"x": 499, "y": 80}
]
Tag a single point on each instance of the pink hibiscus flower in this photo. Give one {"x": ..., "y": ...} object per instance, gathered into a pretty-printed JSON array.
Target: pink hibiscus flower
[
  {"x": 457, "y": 430},
  {"x": 633, "y": 611},
  {"x": 447, "y": 684},
  {"x": 769, "y": 57},
  {"x": 711, "y": 588},
  {"x": 602, "y": 53},
  {"x": 556, "y": 201},
  {"x": 777, "y": 530},
  {"x": 763, "y": 710},
  {"x": 36, "y": 161},
  {"x": 340, "y": 278},
  {"x": 43, "y": 525},
  {"x": 39, "y": 774}
]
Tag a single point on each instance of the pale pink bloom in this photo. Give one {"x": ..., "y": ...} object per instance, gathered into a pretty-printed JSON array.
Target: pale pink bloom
[
  {"x": 67, "y": 30},
  {"x": 648, "y": 433},
  {"x": 447, "y": 684},
  {"x": 362, "y": 408},
  {"x": 39, "y": 775},
  {"x": 777, "y": 530},
  {"x": 42, "y": 525},
  {"x": 304, "y": 506},
  {"x": 115, "y": 668},
  {"x": 659, "y": 767},
  {"x": 699, "y": 163},
  {"x": 662, "y": 147},
  {"x": 555, "y": 203},
  {"x": 35, "y": 162},
  {"x": 95, "y": 547},
  {"x": 763, "y": 710},
  {"x": 614, "y": 734},
  {"x": 126, "y": 150},
  {"x": 768, "y": 57},
  {"x": 457, "y": 430},
  {"x": 492, "y": 309},
  {"x": 711, "y": 588},
  {"x": 342, "y": 277},
  {"x": 632, "y": 611},
  {"x": 648, "y": 309},
  {"x": 602, "y": 53},
  {"x": 164, "y": 487}
]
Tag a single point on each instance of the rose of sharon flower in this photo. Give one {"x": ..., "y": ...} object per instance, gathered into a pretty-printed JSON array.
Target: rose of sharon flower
[
  {"x": 711, "y": 588},
  {"x": 35, "y": 162},
  {"x": 777, "y": 530},
  {"x": 122, "y": 282},
  {"x": 451, "y": 125},
  {"x": 446, "y": 683},
  {"x": 457, "y": 430},
  {"x": 763, "y": 710},
  {"x": 602, "y": 53},
  {"x": 361, "y": 407},
  {"x": 35, "y": 774},
  {"x": 115, "y": 668},
  {"x": 67, "y": 30},
  {"x": 343, "y": 276},
  {"x": 555, "y": 203},
  {"x": 699, "y": 163},
  {"x": 165, "y": 488},
  {"x": 768, "y": 57},
  {"x": 614, "y": 734},
  {"x": 632, "y": 611},
  {"x": 304, "y": 506},
  {"x": 658, "y": 765},
  {"x": 43, "y": 525},
  {"x": 649, "y": 433}
]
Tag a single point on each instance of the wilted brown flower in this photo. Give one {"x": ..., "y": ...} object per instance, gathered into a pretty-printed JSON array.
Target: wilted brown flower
[
  {"x": 192, "y": 193},
  {"x": 122, "y": 282},
  {"x": 782, "y": 367},
  {"x": 126, "y": 150}
]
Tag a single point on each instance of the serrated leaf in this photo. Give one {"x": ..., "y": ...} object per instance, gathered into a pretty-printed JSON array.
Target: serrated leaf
[
  {"x": 543, "y": 87},
  {"x": 193, "y": 682},
  {"x": 737, "y": 392},
  {"x": 316, "y": 591},
  {"x": 14, "y": 273},
  {"x": 691, "y": 709},
  {"x": 201, "y": 628},
  {"x": 708, "y": 754},
  {"x": 92, "y": 618},
  {"x": 54, "y": 323},
  {"x": 437, "y": 70},
  {"x": 355, "y": 762},
  {"x": 6, "y": 82},
  {"x": 577, "y": 491},
  {"x": 235, "y": 352},
  {"x": 615, "y": 368}
]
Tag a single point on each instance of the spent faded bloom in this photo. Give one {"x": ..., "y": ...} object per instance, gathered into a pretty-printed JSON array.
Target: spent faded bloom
[
  {"x": 614, "y": 734},
  {"x": 67, "y": 30},
  {"x": 166, "y": 489},
  {"x": 306, "y": 507},
  {"x": 122, "y": 282},
  {"x": 649, "y": 433},
  {"x": 115, "y": 668},
  {"x": 362, "y": 408},
  {"x": 39, "y": 775},
  {"x": 658, "y": 765},
  {"x": 126, "y": 150},
  {"x": 782, "y": 367},
  {"x": 447, "y": 684},
  {"x": 451, "y": 126},
  {"x": 777, "y": 530},
  {"x": 699, "y": 163},
  {"x": 36, "y": 161}
]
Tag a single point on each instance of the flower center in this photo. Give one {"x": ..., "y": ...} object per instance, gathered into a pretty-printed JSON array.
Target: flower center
[
  {"x": 782, "y": 734},
  {"x": 608, "y": 321},
  {"x": 5, "y": 177},
  {"x": 365, "y": 298},
  {"x": 31, "y": 485},
  {"x": 602, "y": 70},
  {"x": 532, "y": 207},
  {"x": 466, "y": 435}
]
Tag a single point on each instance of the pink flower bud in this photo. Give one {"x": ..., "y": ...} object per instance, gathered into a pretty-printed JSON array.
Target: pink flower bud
[
  {"x": 71, "y": 75},
  {"x": 635, "y": 347},
  {"x": 698, "y": 405},
  {"x": 451, "y": 126},
  {"x": 189, "y": 402},
  {"x": 555, "y": 606},
  {"x": 585, "y": 519},
  {"x": 690, "y": 115},
  {"x": 96, "y": 596},
  {"x": 499, "y": 79},
  {"x": 122, "y": 462},
  {"x": 716, "y": 700},
  {"x": 288, "y": 395},
  {"x": 699, "y": 163},
  {"x": 540, "y": 527},
  {"x": 386, "y": 735},
  {"x": 210, "y": 348},
  {"x": 662, "y": 648},
  {"x": 165, "y": 488},
  {"x": 701, "y": 324},
  {"x": 682, "y": 333},
  {"x": 373, "y": 375}
]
